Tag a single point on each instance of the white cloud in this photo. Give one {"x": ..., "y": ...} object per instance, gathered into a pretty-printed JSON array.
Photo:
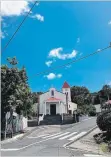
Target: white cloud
[
  {"x": 2, "y": 35},
  {"x": 59, "y": 76},
  {"x": 48, "y": 63},
  {"x": 68, "y": 66},
  {"x": 52, "y": 76},
  {"x": 98, "y": 50},
  {"x": 56, "y": 53},
  {"x": 38, "y": 17},
  {"x": 78, "y": 40},
  {"x": 14, "y": 8},
  {"x": 109, "y": 83},
  {"x": 109, "y": 23}
]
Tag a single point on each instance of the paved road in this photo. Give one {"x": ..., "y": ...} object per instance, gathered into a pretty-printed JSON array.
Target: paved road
[{"x": 49, "y": 140}]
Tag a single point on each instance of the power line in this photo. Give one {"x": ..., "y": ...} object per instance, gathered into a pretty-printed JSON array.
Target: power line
[
  {"x": 19, "y": 26},
  {"x": 76, "y": 60}
]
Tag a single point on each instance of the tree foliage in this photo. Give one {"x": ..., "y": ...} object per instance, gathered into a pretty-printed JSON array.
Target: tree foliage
[
  {"x": 84, "y": 98},
  {"x": 81, "y": 96},
  {"x": 35, "y": 97},
  {"x": 15, "y": 91},
  {"x": 103, "y": 95}
]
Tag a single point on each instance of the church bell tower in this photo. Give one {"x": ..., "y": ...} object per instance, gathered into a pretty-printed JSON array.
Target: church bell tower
[{"x": 66, "y": 90}]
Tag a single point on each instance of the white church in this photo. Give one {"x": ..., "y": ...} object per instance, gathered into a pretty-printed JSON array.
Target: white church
[{"x": 54, "y": 102}]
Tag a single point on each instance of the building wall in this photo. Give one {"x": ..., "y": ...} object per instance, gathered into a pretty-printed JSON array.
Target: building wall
[
  {"x": 67, "y": 90},
  {"x": 59, "y": 108},
  {"x": 43, "y": 97},
  {"x": 98, "y": 108},
  {"x": 46, "y": 96},
  {"x": 72, "y": 106}
]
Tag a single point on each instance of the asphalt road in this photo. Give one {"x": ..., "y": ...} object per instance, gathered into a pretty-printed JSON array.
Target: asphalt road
[{"x": 49, "y": 140}]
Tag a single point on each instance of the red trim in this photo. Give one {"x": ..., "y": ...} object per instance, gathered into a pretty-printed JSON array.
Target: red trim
[{"x": 53, "y": 99}]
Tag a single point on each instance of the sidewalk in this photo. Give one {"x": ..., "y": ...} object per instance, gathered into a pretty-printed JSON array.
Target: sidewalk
[
  {"x": 27, "y": 131},
  {"x": 88, "y": 144}
]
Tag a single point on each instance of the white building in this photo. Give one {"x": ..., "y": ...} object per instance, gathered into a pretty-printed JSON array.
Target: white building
[{"x": 54, "y": 102}]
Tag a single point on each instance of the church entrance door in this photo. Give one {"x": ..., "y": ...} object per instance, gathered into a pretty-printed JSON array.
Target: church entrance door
[{"x": 53, "y": 109}]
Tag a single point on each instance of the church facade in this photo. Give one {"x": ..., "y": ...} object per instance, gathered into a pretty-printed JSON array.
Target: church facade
[{"x": 55, "y": 102}]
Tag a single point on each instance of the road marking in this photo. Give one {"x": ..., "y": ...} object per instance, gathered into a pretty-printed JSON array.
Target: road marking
[
  {"x": 14, "y": 149},
  {"x": 77, "y": 136},
  {"x": 62, "y": 138},
  {"x": 42, "y": 128},
  {"x": 93, "y": 155},
  {"x": 86, "y": 119},
  {"x": 52, "y": 135},
  {"x": 37, "y": 136},
  {"x": 60, "y": 135}
]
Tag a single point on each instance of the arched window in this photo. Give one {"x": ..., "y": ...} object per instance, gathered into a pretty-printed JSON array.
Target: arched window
[{"x": 52, "y": 93}]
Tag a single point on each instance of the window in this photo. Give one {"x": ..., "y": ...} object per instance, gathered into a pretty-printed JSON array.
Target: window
[{"x": 52, "y": 93}]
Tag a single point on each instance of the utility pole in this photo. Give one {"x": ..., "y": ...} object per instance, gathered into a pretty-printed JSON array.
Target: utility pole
[
  {"x": 67, "y": 101},
  {"x": 38, "y": 109},
  {"x": 11, "y": 114},
  {"x": 5, "y": 125}
]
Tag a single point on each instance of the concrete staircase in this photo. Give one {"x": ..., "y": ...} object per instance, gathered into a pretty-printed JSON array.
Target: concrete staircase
[{"x": 51, "y": 120}]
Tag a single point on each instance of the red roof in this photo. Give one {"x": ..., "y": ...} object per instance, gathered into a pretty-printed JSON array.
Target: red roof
[
  {"x": 65, "y": 85},
  {"x": 53, "y": 99},
  {"x": 108, "y": 102}
]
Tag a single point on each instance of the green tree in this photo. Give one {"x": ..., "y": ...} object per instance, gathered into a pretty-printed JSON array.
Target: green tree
[
  {"x": 81, "y": 96},
  {"x": 35, "y": 96},
  {"x": 106, "y": 91},
  {"x": 15, "y": 91}
]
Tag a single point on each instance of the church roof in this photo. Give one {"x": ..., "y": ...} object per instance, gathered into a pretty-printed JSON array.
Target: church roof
[
  {"x": 65, "y": 85},
  {"x": 53, "y": 99}
]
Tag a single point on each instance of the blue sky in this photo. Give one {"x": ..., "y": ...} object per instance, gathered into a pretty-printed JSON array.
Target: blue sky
[{"x": 56, "y": 33}]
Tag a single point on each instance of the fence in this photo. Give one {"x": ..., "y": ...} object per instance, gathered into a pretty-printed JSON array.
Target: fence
[
  {"x": 13, "y": 125},
  {"x": 67, "y": 119}
]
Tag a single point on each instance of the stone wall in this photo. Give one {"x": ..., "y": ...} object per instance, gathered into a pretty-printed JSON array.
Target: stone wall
[{"x": 67, "y": 119}]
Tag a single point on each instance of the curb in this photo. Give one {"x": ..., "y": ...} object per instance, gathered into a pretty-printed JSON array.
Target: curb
[
  {"x": 28, "y": 132},
  {"x": 69, "y": 143},
  {"x": 20, "y": 136},
  {"x": 12, "y": 139},
  {"x": 73, "y": 124}
]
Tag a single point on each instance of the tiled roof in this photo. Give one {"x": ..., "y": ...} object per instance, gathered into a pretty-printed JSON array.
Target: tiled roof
[
  {"x": 108, "y": 102},
  {"x": 65, "y": 85}
]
